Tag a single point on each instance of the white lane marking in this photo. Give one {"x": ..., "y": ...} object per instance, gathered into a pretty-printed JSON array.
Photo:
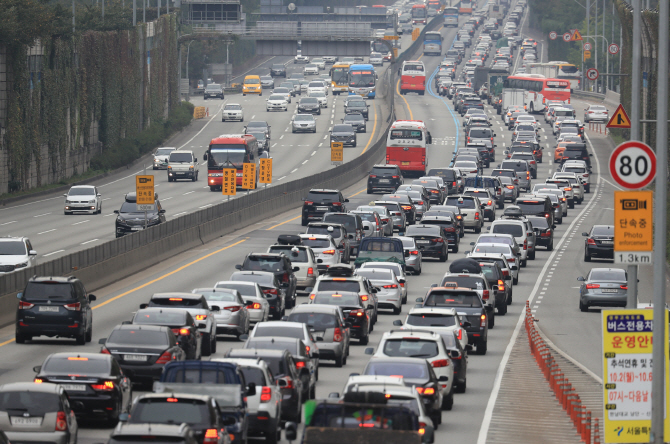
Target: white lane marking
[
  {"x": 320, "y": 144},
  {"x": 188, "y": 193},
  {"x": 325, "y": 137},
  {"x": 294, "y": 171},
  {"x": 167, "y": 198},
  {"x": 53, "y": 252},
  {"x": 206, "y": 125},
  {"x": 306, "y": 160},
  {"x": 40, "y": 215},
  {"x": 48, "y": 231},
  {"x": 253, "y": 117},
  {"x": 208, "y": 205},
  {"x": 283, "y": 177},
  {"x": 82, "y": 222},
  {"x": 274, "y": 145},
  {"x": 88, "y": 242},
  {"x": 313, "y": 153},
  {"x": 281, "y": 137},
  {"x": 179, "y": 214},
  {"x": 112, "y": 214},
  {"x": 10, "y": 222},
  {"x": 107, "y": 198}
]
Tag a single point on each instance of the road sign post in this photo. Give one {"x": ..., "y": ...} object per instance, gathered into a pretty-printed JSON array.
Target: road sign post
[
  {"x": 265, "y": 175},
  {"x": 229, "y": 182},
  {"x": 337, "y": 153},
  {"x": 145, "y": 196}
]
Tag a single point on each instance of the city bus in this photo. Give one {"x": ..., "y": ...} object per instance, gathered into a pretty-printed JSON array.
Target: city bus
[
  {"x": 363, "y": 80},
  {"x": 339, "y": 78},
  {"x": 451, "y": 16},
  {"x": 434, "y": 4},
  {"x": 538, "y": 89},
  {"x": 558, "y": 70},
  {"x": 432, "y": 43},
  {"x": 230, "y": 151},
  {"x": 419, "y": 14},
  {"x": 406, "y": 146},
  {"x": 465, "y": 7},
  {"x": 413, "y": 77}
]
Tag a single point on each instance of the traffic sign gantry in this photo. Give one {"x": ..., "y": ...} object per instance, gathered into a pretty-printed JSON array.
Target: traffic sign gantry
[
  {"x": 619, "y": 119},
  {"x": 613, "y": 48},
  {"x": 633, "y": 165},
  {"x": 592, "y": 74},
  {"x": 553, "y": 35}
]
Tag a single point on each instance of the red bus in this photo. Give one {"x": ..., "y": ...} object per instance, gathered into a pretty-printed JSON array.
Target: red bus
[
  {"x": 230, "y": 151},
  {"x": 419, "y": 14},
  {"x": 539, "y": 89},
  {"x": 413, "y": 77},
  {"x": 406, "y": 146},
  {"x": 465, "y": 7}
]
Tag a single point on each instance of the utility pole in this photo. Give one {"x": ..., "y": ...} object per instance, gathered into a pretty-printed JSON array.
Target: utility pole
[
  {"x": 72, "y": 16},
  {"x": 588, "y": 32},
  {"x": 103, "y": 11},
  {"x": 144, "y": 11},
  {"x": 134, "y": 12},
  {"x": 595, "y": 42},
  {"x": 658, "y": 350}
]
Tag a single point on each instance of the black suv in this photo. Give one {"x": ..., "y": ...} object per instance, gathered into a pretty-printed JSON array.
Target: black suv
[
  {"x": 280, "y": 266},
  {"x": 278, "y": 70},
  {"x": 129, "y": 219},
  {"x": 384, "y": 177},
  {"x": 55, "y": 307},
  {"x": 321, "y": 201}
]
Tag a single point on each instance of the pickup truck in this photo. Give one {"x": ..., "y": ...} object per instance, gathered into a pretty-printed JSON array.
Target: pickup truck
[{"x": 224, "y": 381}]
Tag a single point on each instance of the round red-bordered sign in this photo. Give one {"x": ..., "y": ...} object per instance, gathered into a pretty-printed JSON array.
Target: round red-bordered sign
[
  {"x": 633, "y": 165},
  {"x": 567, "y": 37},
  {"x": 553, "y": 35},
  {"x": 613, "y": 48},
  {"x": 592, "y": 74}
]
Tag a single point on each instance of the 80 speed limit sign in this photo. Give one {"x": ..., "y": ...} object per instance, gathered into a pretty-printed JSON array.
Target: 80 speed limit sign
[{"x": 633, "y": 165}]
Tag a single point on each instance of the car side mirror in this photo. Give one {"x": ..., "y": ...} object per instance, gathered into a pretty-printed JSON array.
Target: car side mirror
[
  {"x": 468, "y": 347},
  {"x": 161, "y": 211},
  {"x": 251, "y": 391},
  {"x": 397, "y": 323},
  {"x": 116, "y": 211},
  {"x": 581, "y": 279},
  {"x": 230, "y": 420},
  {"x": 467, "y": 324},
  {"x": 238, "y": 266},
  {"x": 369, "y": 351},
  {"x": 585, "y": 234},
  {"x": 91, "y": 298},
  {"x": 37, "y": 368},
  {"x": 281, "y": 383},
  {"x": 319, "y": 261},
  {"x": 346, "y": 200},
  {"x": 420, "y": 300},
  {"x": 296, "y": 269},
  {"x": 244, "y": 337},
  {"x": 443, "y": 378},
  {"x": 333, "y": 395},
  {"x": 317, "y": 340},
  {"x": 123, "y": 417},
  {"x": 291, "y": 431},
  {"x": 126, "y": 323},
  {"x": 553, "y": 226},
  {"x": 143, "y": 306},
  {"x": 195, "y": 159},
  {"x": 347, "y": 324}
]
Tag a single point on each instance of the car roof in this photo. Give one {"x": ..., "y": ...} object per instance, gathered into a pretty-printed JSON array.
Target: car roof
[
  {"x": 190, "y": 296},
  {"x": 316, "y": 308},
  {"x": 30, "y": 387},
  {"x": 439, "y": 310}
]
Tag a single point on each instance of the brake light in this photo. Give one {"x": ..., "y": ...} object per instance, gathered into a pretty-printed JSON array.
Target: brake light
[
  {"x": 164, "y": 358},
  {"x": 414, "y": 252},
  {"x": 501, "y": 283},
  {"x": 364, "y": 297},
  {"x": 439, "y": 240},
  {"x": 510, "y": 187},
  {"x": 546, "y": 233},
  {"x": 176, "y": 299},
  {"x": 592, "y": 286},
  {"x": 372, "y": 176},
  {"x": 568, "y": 189},
  {"x": 105, "y": 387},
  {"x": 289, "y": 382},
  {"x": 38, "y": 381},
  {"x": 395, "y": 177},
  {"x": 525, "y": 244},
  {"x": 485, "y": 295},
  {"x": 309, "y": 202},
  {"x": 546, "y": 215},
  {"x": 490, "y": 202},
  {"x": 104, "y": 351},
  {"x": 453, "y": 184},
  {"x": 590, "y": 241},
  {"x": 25, "y": 305},
  {"x": 450, "y": 229},
  {"x": 211, "y": 436},
  {"x": 270, "y": 291},
  {"x": 406, "y": 207},
  {"x": 477, "y": 216},
  {"x": 310, "y": 271},
  {"x": 73, "y": 307},
  {"x": 337, "y": 335},
  {"x": 440, "y": 363},
  {"x": 421, "y": 202},
  {"x": 426, "y": 391},
  {"x": 357, "y": 313},
  {"x": 483, "y": 321},
  {"x": 266, "y": 394},
  {"x": 422, "y": 428},
  {"x": 623, "y": 287},
  {"x": 423, "y": 160},
  {"x": 391, "y": 286},
  {"x": 184, "y": 331},
  {"x": 337, "y": 204},
  {"x": 233, "y": 309},
  {"x": 61, "y": 422},
  {"x": 200, "y": 317},
  {"x": 527, "y": 175},
  {"x": 388, "y": 157},
  {"x": 299, "y": 364}
]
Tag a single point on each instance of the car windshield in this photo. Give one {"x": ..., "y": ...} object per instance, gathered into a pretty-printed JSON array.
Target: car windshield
[
  {"x": 160, "y": 317},
  {"x": 262, "y": 331},
  {"x": 316, "y": 321},
  {"x": 329, "y": 298},
  {"x": 252, "y": 81},
  {"x": 245, "y": 290},
  {"x": 613, "y": 275},
  {"x": 431, "y": 320},
  {"x": 271, "y": 344},
  {"x": 375, "y": 274},
  {"x": 131, "y": 207},
  {"x": 473, "y": 282},
  {"x": 453, "y": 298},
  {"x": 540, "y": 222},
  {"x": 264, "y": 263},
  {"x": 139, "y": 337},
  {"x": 413, "y": 230},
  {"x": 30, "y": 403},
  {"x": 213, "y": 87},
  {"x": 336, "y": 232},
  {"x": 181, "y": 157},
  {"x": 343, "y": 129},
  {"x": 354, "y": 117},
  {"x": 515, "y": 230},
  {"x": 530, "y": 206},
  {"x": 323, "y": 196},
  {"x": 161, "y": 152},
  {"x": 603, "y": 231},
  {"x": 318, "y": 94},
  {"x": 76, "y": 365},
  {"x": 504, "y": 249},
  {"x": 411, "y": 348},
  {"x": 404, "y": 369},
  {"x": 262, "y": 279},
  {"x": 461, "y": 203},
  {"x": 309, "y": 100},
  {"x": 12, "y": 248},
  {"x": 339, "y": 285},
  {"x": 219, "y": 296},
  {"x": 276, "y": 97},
  {"x": 172, "y": 410},
  {"x": 347, "y": 220},
  {"x": 83, "y": 191}
]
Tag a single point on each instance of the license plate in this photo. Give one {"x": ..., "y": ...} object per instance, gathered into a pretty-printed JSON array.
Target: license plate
[
  {"x": 422, "y": 242},
  {"x": 321, "y": 208},
  {"x": 48, "y": 308},
  {"x": 74, "y": 387},
  {"x": 607, "y": 242},
  {"x": 19, "y": 421},
  {"x": 384, "y": 181},
  {"x": 405, "y": 163},
  {"x": 136, "y": 228},
  {"x": 141, "y": 358},
  {"x": 610, "y": 290}
]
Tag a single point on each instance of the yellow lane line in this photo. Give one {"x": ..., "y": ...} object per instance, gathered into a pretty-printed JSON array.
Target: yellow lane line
[
  {"x": 372, "y": 135},
  {"x": 285, "y": 222},
  {"x": 356, "y": 194},
  {"x": 397, "y": 90},
  {"x": 6, "y": 342}
]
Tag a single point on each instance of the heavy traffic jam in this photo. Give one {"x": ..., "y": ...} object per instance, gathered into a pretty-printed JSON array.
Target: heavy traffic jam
[{"x": 329, "y": 325}]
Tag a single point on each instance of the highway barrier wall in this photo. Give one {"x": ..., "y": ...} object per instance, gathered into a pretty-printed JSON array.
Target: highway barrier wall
[{"x": 116, "y": 259}]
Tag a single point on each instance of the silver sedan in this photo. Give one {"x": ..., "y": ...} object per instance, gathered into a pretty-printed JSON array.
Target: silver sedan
[
  {"x": 389, "y": 292},
  {"x": 303, "y": 123},
  {"x": 233, "y": 317},
  {"x": 252, "y": 294},
  {"x": 603, "y": 287},
  {"x": 412, "y": 254}
]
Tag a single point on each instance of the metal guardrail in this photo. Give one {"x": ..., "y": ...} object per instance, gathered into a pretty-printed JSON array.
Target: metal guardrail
[
  {"x": 342, "y": 34},
  {"x": 588, "y": 95}
]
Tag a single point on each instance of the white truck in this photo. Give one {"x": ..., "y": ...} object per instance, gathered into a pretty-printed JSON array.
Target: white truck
[{"x": 511, "y": 96}]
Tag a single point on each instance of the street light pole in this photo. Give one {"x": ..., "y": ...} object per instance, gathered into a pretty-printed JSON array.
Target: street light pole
[
  {"x": 188, "y": 50},
  {"x": 134, "y": 12}
]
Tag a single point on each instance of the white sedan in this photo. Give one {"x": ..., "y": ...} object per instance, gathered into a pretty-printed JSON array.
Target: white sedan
[
  {"x": 316, "y": 86},
  {"x": 311, "y": 69},
  {"x": 276, "y": 102},
  {"x": 232, "y": 111},
  {"x": 324, "y": 249},
  {"x": 83, "y": 199},
  {"x": 437, "y": 319},
  {"x": 320, "y": 63}
]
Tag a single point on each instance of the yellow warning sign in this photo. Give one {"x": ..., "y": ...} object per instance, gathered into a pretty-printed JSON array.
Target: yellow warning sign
[
  {"x": 336, "y": 152},
  {"x": 415, "y": 34},
  {"x": 249, "y": 176},
  {"x": 576, "y": 36},
  {"x": 198, "y": 112},
  {"x": 619, "y": 119},
  {"x": 391, "y": 37},
  {"x": 229, "y": 183},
  {"x": 395, "y": 52},
  {"x": 587, "y": 55},
  {"x": 265, "y": 175},
  {"x": 144, "y": 190}
]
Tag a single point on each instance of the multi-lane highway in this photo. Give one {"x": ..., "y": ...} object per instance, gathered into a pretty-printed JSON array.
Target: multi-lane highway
[{"x": 549, "y": 281}]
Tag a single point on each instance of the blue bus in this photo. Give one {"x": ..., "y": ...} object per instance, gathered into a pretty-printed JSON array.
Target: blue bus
[
  {"x": 362, "y": 80},
  {"x": 432, "y": 43},
  {"x": 451, "y": 16}
]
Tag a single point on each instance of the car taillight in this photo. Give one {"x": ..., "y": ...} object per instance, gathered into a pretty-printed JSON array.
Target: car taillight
[
  {"x": 501, "y": 283},
  {"x": 490, "y": 202},
  {"x": 284, "y": 278},
  {"x": 423, "y": 160},
  {"x": 73, "y": 307},
  {"x": 562, "y": 199},
  {"x": 183, "y": 332},
  {"x": 546, "y": 234},
  {"x": 592, "y": 286},
  {"x": 266, "y": 394},
  {"x": 483, "y": 321},
  {"x": 270, "y": 291},
  {"x": 254, "y": 306},
  {"x": 388, "y": 157},
  {"x": 107, "y": 386},
  {"x": 164, "y": 358},
  {"x": 510, "y": 187},
  {"x": 289, "y": 382},
  {"x": 25, "y": 305},
  {"x": 450, "y": 229},
  {"x": 38, "y": 381},
  {"x": 527, "y": 175},
  {"x": 440, "y": 363},
  {"x": 200, "y": 317},
  {"x": 211, "y": 436},
  {"x": 477, "y": 216},
  {"x": 337, "y": 335},
  {"x": 372, "y": 176},
  {"x": 337, "y": 204},
  {"x": 422, "y": 428},
  {"x": 395, "y": 177},
  {"x": 357, "y": 313},
  {"x": 406, "y": 207},
  {"x": 309, "y": 202},
  {"x": 299, "y": 364},
  {"x": 310, "y": 271},
  {"x": 623, "y": 287},
  {"x": 328, "y": 252},
  {"x": 590, "y": 241},
  {"x": 453, "y": 184},
  {"x": 525, "y": 244},
  {"x": 391, "y": 286},
  {"x": 421, "y": 202},
  {"x": 439, "y": 240},
  {"x": 414, "y": 252},
  {"x": 61, "y": 422},
  {"x": 426, "y": 391},
  {"x": 485, "y": 295},
  {"x": 233, "y": 308},
  {"x": 104, "y": 351},
  {"x": 505, "y": 272}
]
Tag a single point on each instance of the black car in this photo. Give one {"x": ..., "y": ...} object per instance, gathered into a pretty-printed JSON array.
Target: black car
[
  {"x": 94, "y": 383},
  {"x": 537, "y": 206},
  {"x": 449, "y": 226},
  {"x": 453, "y": 212},
  {"x": 309, "y": 105},
  {"x": 263, "y": 141},
  {"x": 485, "y": 153},
  {"x": 577, "y": 151},
  {"x": 430, "y": 240},
  {"x": 544, "y": 233},
  {"x": 464, "y": 301},
  {"x": 599, "y": 243},
  {"x": 357, "y": 121},
  {"x": 353, "y": 223},
  {"x": 179, "y": 321},
  {"x": 435, "y": 194},
  {"x": 130, "y": 220},
  {"x": 496, "y": 279},
  {"x": 470, "y": 103},
  {"x": 286, "y": 374},
  {"x": 321, "y": 201},
  {"x": 55, "y": 307},
  {"x": 143, "y": 350},
  {"x": 384, "y": 177},
  {"x": 406, "y": 204},
  {"x": 271, "y": 285},
  {"x": 280, "y": 265},
  {"x": 213, "y": 90},
  {"x": 354, "y": 309},
  {"x": 343, "y": 133},
  {"x": 278, "y": 70},
  {"x": 449, "y": 176},
  {"x": 357, "y": 106}
]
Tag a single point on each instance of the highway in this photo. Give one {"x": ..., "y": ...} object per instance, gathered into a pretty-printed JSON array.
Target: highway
[{"x": 549, "y": 281}]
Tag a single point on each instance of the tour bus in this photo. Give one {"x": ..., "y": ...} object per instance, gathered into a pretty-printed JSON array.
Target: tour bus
[
  {"x": 465, "y": 7},
  {"x": 413, "y": 77},
  {"x": 406, "y": 146},
  {"x": 419, "y": 14},
  {"x": 451, "y": 16},
  {"x": 558, "y": 70},
  {"x": 362, "y": 80},
  {"x": 230, "y": 151},
  {"x": 339, "y": 78},
  {"x": 432, "y": 43},
  {"x": 539, "y": 89},
  {"x": 434, "y": 4}
]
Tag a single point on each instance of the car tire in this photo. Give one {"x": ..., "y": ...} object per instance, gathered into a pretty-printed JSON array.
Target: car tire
[
  {"x": 213, "y": 344},
  {"x": 482, "y": 347},
  {"x": 21, "y": 338},
  {"x": 448, "y": 401},
  {"x": 531, "y": 255},
  {"x": 364, "y": 340},
  {"x": 89, "y": 333},
  {"x": 492, "y": 319},
  {"x": 583, "y": 307},
  {"x": 273, "y": 436},
  {"x": 339, "y": 360},
  {"x": 524, "y": 263},
  {"x": 418, "y": 272},
  {"x": 460, "y": 388},
  {"x": 206, "y": 348},
  {"x": 478, "y": 230},
  {"x": 455, "y": 249},
  {"x": 397, "y": 310},
  {"x": 444, "y": 256},
  {"x": 304, "y": 221},
  {"x": 587, "y": 257},
  {"x": 509, "y": 299},
  {"x": 571, "y": 205},
  {"x": 312, "y": 392},
  {"x": 369, "y": 190},
  {"x": 550, "y": 247},
  {"x": 81, "y": 339},
  {"x": 502, "y": 309},
  {"x": 515, "y": 280}
]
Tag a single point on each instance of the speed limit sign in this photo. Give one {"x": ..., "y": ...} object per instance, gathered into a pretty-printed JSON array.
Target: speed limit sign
[
  {"x": 592, "y": 74},
  {"x": 567, "y": 37},
  {"x": 553, "y": 35},
  {"x": 587, "y": 46},
  {"x": 613, "y": 48},
  {"x": 633, "y": 165}
]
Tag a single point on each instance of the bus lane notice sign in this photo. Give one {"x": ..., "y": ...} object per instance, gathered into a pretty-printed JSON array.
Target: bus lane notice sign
[
  {"x": 627, "y": 364},
  {"x": 229, "y": 183}
]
